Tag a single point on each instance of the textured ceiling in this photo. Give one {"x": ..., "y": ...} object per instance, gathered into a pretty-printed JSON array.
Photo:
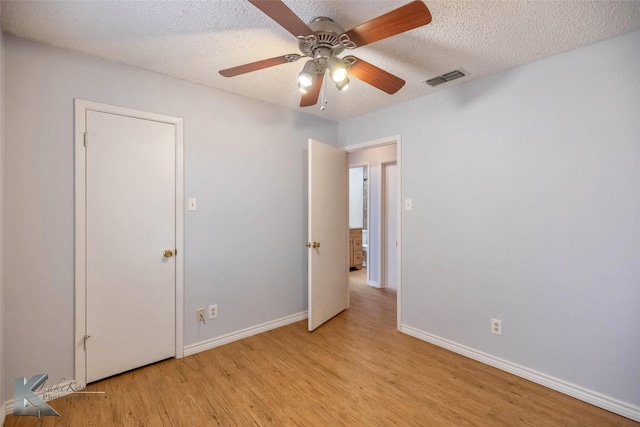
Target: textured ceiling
[{"x": 193, "y": 40}]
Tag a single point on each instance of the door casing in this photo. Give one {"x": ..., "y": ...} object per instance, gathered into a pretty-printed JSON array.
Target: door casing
[
  {"x": 81, "y": 107},
  {"x": 387, "y": 245}
]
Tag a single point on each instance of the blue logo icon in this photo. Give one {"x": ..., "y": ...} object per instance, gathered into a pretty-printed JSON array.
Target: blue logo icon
[{"x": 26, "y": 402}]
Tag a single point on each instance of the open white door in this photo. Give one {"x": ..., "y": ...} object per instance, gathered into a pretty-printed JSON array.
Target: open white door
[{"x": 328, "y": 233}]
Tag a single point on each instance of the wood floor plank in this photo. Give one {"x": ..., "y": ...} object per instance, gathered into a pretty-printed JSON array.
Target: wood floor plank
[{"x": 355, "y": 370}]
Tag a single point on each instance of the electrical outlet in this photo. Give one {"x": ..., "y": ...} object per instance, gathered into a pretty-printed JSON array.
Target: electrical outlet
[
  {"x": 213, "y": 311},
  {"x": 200, "y": 315},
  {"x": 496, "y": 326}
]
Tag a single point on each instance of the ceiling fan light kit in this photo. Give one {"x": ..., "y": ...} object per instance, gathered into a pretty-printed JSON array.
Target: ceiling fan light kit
[{"x": 322, "y": 40}]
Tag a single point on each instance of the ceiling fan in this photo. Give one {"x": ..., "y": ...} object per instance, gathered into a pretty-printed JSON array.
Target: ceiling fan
[{"x": 322, "y": 40}]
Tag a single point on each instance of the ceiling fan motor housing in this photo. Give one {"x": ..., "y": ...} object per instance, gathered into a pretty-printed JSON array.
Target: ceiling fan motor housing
[{"x": 324, "y": 43}]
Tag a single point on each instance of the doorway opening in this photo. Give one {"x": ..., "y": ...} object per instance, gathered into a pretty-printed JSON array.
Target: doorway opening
[
  {"x": 381, "y": 207},
  {"x": 358, "y": 216}
]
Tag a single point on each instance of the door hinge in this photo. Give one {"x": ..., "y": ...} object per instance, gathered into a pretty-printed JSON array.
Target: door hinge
[
  {"x": 84, "y": 341},
  {"x": 86, "y": 139}
]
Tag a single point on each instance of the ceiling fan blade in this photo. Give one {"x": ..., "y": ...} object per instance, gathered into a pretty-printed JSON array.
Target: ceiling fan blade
[
  {"x": 411, "y": 15},
  {"x": 311, "y": 97},
  {"x": 375, "y": 76},
  {"x": 280, "y": 13},
  {"x": 259, "y": 65}
]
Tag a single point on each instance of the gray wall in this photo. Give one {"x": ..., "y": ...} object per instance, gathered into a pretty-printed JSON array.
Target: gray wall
[
  {"x": 245, "y": 161},
  {"x": 375, "y": 157},
  {"x": 526, "y": 196}
]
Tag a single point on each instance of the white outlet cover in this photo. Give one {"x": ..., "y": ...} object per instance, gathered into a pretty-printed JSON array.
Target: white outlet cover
[
  {"x": 213, "y": 311},
  {"x": 496, "y": 326}
]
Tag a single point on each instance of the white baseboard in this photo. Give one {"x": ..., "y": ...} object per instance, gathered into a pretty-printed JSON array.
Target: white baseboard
[
  {"x": 244, "y": 333},
  {"x": 374, "y": 284},
  {"x": 3, "y": 413},
  {"x": 596, "y": 399}
]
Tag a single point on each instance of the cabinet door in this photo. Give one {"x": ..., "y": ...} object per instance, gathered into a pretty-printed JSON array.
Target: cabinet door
[{"x": 351, "y": 261}]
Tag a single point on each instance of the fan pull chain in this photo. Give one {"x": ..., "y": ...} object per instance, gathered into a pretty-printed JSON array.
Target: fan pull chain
[{"x": 323, "y": 98}]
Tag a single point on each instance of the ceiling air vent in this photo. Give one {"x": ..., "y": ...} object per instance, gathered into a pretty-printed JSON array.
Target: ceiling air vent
[{"x": 445, "y": 78}]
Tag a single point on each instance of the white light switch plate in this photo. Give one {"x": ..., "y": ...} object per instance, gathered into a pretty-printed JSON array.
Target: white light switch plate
[
  {"x": 192, "y": 205},
  {"x": 407, "y": 205}
]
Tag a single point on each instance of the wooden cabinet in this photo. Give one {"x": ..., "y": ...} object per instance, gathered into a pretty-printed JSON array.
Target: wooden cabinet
[{"x": 355, "y": 248}]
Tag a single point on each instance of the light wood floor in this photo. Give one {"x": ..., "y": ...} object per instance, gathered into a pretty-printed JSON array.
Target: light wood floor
[{"x": 357, "y": 370}]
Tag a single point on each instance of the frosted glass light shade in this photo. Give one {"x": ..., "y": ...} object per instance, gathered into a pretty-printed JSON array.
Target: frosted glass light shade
[
  {"x": 343, "y": 85},
  {"x": 338, "y": 69},
  {"x": 306, "y": 76}
]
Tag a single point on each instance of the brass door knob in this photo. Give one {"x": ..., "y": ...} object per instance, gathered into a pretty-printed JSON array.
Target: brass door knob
[
  {"x": 308, "y": 244},
  {"x": 316, "y": 244},
  {"x": 168, "y": 253}
]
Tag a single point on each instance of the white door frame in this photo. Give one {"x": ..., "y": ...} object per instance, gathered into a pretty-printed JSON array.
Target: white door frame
[
  {"x": 384, "y": 247},
  {"x": 81, "y": 107},
  {"x": 395, "y": 139}
]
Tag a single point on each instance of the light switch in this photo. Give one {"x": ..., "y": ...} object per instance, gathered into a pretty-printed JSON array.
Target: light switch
[
  {"x": 192, "y": 206},
  {"x": 407, "y": 204}
]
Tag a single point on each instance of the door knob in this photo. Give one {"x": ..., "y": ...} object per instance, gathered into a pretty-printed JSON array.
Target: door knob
[
  {"x": 168, "y": 253},
  {"x": 308, "y": 244},
  {"x": 316, "y": 244}
]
